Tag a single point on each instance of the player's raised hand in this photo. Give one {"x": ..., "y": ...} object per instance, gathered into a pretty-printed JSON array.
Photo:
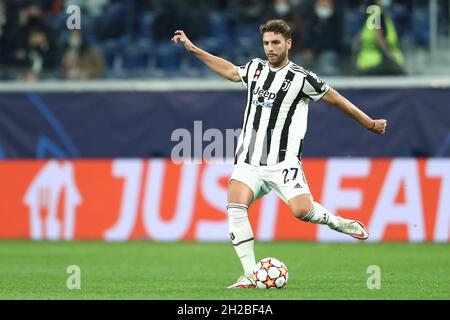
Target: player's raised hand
[
  {"x": 180, "y": 36},
  {"x": 379, "y": 126}
]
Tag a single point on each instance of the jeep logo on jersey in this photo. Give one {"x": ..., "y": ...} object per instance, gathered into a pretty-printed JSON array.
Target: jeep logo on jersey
[{"x": 265, "y": 94}]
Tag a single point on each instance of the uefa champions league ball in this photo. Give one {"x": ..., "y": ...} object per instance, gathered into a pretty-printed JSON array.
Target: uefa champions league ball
[{"x": 270, "y": 273}]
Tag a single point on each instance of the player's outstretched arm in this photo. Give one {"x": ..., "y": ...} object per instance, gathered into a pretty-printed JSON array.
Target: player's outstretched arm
[
  {"x": 221, "y": 66},
  {"x": 333, "y": 97}
]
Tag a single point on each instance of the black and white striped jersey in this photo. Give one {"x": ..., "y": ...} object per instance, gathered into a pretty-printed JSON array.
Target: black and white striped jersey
[{"x": 275, "y": 118}]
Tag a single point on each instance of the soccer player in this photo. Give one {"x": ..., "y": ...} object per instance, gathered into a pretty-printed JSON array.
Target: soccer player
[{"x": 268, "y": 154}]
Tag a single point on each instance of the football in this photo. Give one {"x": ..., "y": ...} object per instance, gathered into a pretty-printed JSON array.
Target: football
[{"x": 270, "y": 273}]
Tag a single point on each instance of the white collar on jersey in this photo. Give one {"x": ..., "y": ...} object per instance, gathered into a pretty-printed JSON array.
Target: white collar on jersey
[{"x": 278, "y": 69}]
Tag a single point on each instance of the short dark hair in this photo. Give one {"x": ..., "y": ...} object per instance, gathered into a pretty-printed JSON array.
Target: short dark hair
[{"x": 276, "y": 26}]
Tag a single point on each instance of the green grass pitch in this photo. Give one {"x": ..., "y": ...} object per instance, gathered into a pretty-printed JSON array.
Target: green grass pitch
[{"x": 190, "y": 271}]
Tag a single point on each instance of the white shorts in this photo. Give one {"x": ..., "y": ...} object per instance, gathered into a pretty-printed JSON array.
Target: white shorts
[{"x": 285, "y": 178}]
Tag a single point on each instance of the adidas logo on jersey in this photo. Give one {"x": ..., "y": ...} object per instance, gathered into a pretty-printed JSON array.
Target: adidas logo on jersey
[{"x": 297, "y": 186}]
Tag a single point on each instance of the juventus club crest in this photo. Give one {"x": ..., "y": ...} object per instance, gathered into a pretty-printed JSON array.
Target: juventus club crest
[{"x": 286, "y": 85}]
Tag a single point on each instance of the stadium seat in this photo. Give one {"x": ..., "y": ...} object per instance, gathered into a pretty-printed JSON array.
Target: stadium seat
[
  {"x": 401, "y": 17},
  {"x": 420, "y": 26},
  {"x": 194, "y": 67},
  {"x": 168, "y": 59},
  {"x": 146, "y": 26},
  {"x": 136, "y": 58},
  {"x": 327, "y": 63},
  {"x": 112, "y": 53},
  {"x": 219, "y": 26},
  {"x": 246, "y": 49},
  {"x": 57, "y": 21},
  {"x": 353, "y": 22},
  {"x": 247, "y": 30}
]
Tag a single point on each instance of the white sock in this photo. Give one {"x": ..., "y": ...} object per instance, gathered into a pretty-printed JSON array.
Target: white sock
[
  {"x": 241, "y": 236},
  {"x": 319, "y": 214}
]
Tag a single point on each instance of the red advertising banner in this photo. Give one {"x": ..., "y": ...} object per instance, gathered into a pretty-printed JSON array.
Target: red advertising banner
[{"x": 402, "y": 199}]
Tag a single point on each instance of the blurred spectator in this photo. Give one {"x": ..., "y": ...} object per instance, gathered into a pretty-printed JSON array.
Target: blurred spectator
[
  {"x": 115, "y": 20},
  {"x": 197, "y": 20},
  {"x": 23, "y": 31},
  {"x": 377, "y": 47},
  {"x": 247, "y": 15},
  {"x": 6, "y": 51},
  {"x": 172, "y": 15},
  {"x": 27, "y": 43},
  {"x": 169, "y": 17},
  {"x": 141, "y": 20},
  {"x": 134, "y": 35},
  {"x": 44, "y": 8},
  {"x": 93, "y": 20},
  {"x": 2, "y": 16},
  {"x": 323, "y": 38},
  {"x": 12, "y": 36},
  {"x": 41, "y": 54},
  {"x": 3, "y": 43},
  {"x": 247, "y": 11},
  {"x": 284, "y": 9},
  {"x": 92, "y": 8},
  {"x": 81, "y": 61}
]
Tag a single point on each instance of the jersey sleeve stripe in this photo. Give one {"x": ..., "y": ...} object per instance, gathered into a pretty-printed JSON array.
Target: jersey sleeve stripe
[{"x": 245, "y": 78}]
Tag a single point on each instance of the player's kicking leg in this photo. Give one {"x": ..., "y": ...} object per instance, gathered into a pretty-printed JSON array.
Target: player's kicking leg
[
  {"x": 304, "y": 208},
  {"x": 240, "y": 197}
]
